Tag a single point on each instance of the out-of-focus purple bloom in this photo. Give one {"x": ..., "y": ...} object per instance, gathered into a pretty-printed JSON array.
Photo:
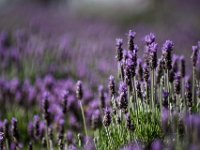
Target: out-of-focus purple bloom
[
  {"x": 119, "y": 42},
  {"x": 119, "y": 49},
  {"x": 6, "y": 128},
  {"x": 131, "y": 36},
  {"x": 42, "y": 128},
  {"x": 150, "y": 38},
  {"x": 72, "y": 147},
  {"x": 31, "y": 130},
  {"x": 96, "y": 119},
  {"x": 89, "y": 143},
  {"x": 156, "y": 145},
  {"x": 165, "y": 95},
  {"x": 168, "y": 46},
  {"x": 46, "y": 106},
  {"x": 14, "y": 129},
  {"x": 36, "y": 125},
  {"x": 194, "y": 55},
  {"x": 153, "y": 55},
  {"x": 183, "y": 67},
  {"x": 1, "y": 140},
  {"x": 70, "y": 137},
  {"x": 79, "y": 90},
  {"x": 102, "y": 96},
  {"x": 111, "y": 85},
  {"x": 165, "y": 118},
  {"x": 177, "y": 83},
  {"x": 132, "y": 146}
]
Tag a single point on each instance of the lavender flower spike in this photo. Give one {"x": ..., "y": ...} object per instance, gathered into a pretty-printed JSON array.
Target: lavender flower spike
[
  {"x": 79, "y": 90},
  {"x": 167, "y": 49},
  {"x": 194, "y": 55},
  {"x": 150, "y": 38},
  {"x": 131, "y": 36},
  {"x": 119, "y": 49},
  {"x": 107, "y": 118},
  {"x": 111, "y": 85}
]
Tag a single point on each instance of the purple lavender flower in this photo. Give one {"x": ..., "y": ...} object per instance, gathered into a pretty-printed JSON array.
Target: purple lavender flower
[
  {"x": 123, "y": 101},
  {"x": 42, "y": 129},
  {"x": 160, "y": 70},
  {"x": 107, "y": 118},
  {"x": 153, "y": 55},
  {"x": 140, "y": 70},
  {"x": 14, "y": 129},
  {"x": 194, "y": 55},
  {"x": 1, "y": 140},
  {"x": 157, "y": 145},
  {"x": 131, "y": 36},
  {"x": 96, "y": 119},
  {"x": 119, "y": 49},
  {"x": 165, "y": 118},
  {"x": 168, "y": 46},
  {"x": 183, "y": 68},
  {"x": 31, "y": 130},
  {"x": 111, "y": 85},
  {"x": 30, "y": 146},
  {"x": 175, "y": 59},
  {"x": 150, "y": 38},
  {"x": 65, "y": 101},
  {"x": 130, "y": 124},
  {"x": 165, "y": 99},
  {"x": 188, "y": 92},
  {"x": 79, "y": 90},
  {"x": 128, "y": 72},
  {"x": 167, "y": 49},
  {"x": 36, "y": 124},
  {"x": 46, "y": 108},
  {"x": 177, "y": 83},
  {"x": 102, "y": 96},
  {"x": 6, "y": 128},
  {"x": 198, "y": 44},
  {"x": 146, "y": 72},
  {"x": 123, "y": 87},
  {"x": 70, "y": 137}
]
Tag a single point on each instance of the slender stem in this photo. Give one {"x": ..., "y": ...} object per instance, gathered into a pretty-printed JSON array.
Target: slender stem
[
  {"x": 83, "y": 116},
  {"x": 152, "y": 90},
  {"x": 135, "y": 102},
  {"x": 160, "y": 97},
  {"x": 109, "y": 137},
  {"x": 47, "y": 138},
  {"x": 7, "y": 144},
  {"x": 193, "y": 85},
  {"x": 168, "y": 89}
]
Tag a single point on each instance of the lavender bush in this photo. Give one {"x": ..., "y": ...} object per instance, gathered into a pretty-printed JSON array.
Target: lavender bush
[{"x": 151, "y": 103}]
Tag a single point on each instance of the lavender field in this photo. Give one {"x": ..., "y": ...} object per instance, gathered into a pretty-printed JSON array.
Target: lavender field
[{"x": 99, "y": 75}]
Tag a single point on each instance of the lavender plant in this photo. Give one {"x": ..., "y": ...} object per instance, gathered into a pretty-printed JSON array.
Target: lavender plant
[{"x": 156, "y": 105}]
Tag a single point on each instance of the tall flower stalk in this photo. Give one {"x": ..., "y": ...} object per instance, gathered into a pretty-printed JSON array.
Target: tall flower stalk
[{"x": 79, "y": 95}]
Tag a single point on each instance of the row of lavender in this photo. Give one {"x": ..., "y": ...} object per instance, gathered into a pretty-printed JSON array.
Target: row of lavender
[{"x": 155, "y": 97}]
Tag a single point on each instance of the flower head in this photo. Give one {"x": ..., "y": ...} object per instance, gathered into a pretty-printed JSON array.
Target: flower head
[
  {"x": 79, "y": 90},
  {"x": 150, "y": 38}
]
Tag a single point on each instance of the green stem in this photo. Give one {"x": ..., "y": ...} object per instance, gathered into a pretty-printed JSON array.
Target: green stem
[
  {"x": 135, "y": 103},
  {"x": 83, "y": 116},
  {"x": 168, "y": 89},
  {"x": 152, "y": 90},
  {"x": 47, "y": 138},
  {"x": 193, "y": 85},
  {"x": 7, "y": 144},
  {"x": 109, "y": 137}
]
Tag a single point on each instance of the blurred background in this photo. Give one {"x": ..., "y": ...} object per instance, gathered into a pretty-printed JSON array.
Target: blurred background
[{"x": 77, "y": 37}]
